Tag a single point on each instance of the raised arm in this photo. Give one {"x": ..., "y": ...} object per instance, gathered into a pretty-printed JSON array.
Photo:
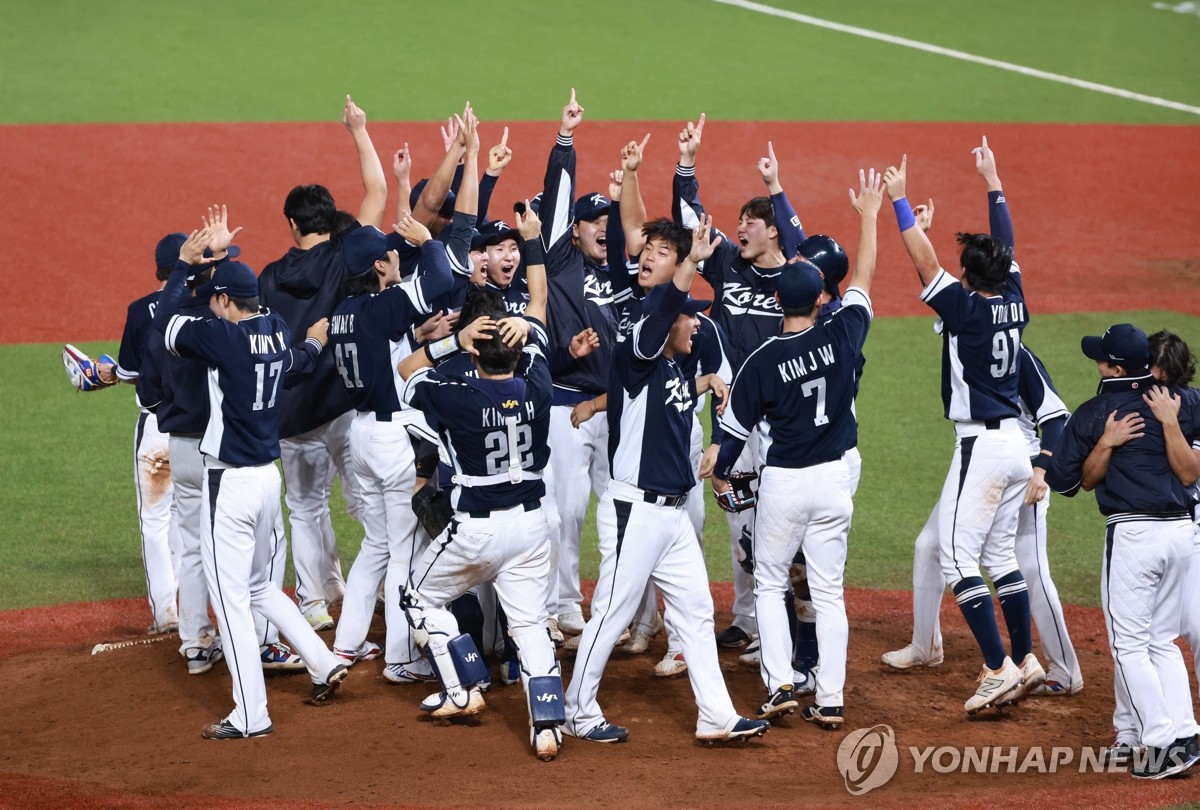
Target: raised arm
[
  {"x": 370, "y": 211},
  {"x": 686, "y": 208},
  {"x": 633, "y": 208},
  {"x": 530, "y": 228},
  {"x": 787, "y": 221},
  {"x": 999, "y": 219},
  {"x": 435, "y": 191},
  {"x": 499, "y": 156},
  {"x": 919, "y": 248},
  {"x": 402, "y": 171},
  {"x": 467, "y": 199},
  {"x": 866, "y": 203},
  {"x": 558, "y": 190}
]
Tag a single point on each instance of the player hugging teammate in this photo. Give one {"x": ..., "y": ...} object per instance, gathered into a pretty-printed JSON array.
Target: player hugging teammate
[{"x": 468, "y": 447}]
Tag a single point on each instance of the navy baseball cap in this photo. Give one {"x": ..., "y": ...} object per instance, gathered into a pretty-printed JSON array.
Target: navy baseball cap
[
  {"x": 497, "y": 231},
  {"x": 166, "y": 252},
  {"x": 800, "y": 285},
  {"x": 361, "y": 247},
  {"x": 447, "y": 210},
  {"x": 694, "y": 306},
  {"x": 1123, "y": 345},
  {"x": 233, "y": 279},
  {"x": 478, "y": 240},
  {"x": 591, "y": 206}
]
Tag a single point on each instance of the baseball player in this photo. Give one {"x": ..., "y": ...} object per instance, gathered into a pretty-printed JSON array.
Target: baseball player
[
  {"x": 1041, "y": 409},
  {"x": 982, "y": 316},
  {"x": 743, "y": 273},
  {"x": 804, "y": 383},
  {"x": 303, "y": 286},
  {"x": 496, "y": 425},
  {"x": 581, "y": 298},
  {"x": 1142, "y": 491},
  {"x": 183, "y": 413},
  {"x": 645, "y": 534},
  {"x": 246, "y": 349}
]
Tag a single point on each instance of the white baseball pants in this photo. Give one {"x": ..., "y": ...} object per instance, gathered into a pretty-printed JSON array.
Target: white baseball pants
[
  {"x": 579, "y": 463},
  {"x": 239, "y": 518},
  {"x": 642, "y": 542},
  {"x": 310, "y": 461},
  {"x": 807, "y": 510},
  {"x": 381, "y": 460},
  {"x": 187, "y": 470},
  {"x": 1145, "y": 569},
  {"x": 929, "y": 585},
  {"x": 155, "y": 491}
]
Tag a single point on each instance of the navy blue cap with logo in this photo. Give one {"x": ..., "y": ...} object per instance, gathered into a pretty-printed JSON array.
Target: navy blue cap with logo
[
  {"x": 800, "y": 285},
  {"x": 591, "y": 206},
  {"x": 166, "y": 252},
  {"x": 234, "y": 279},
  {"x": 1122, "y": 345},
  {"x": 497, "y": 231}
]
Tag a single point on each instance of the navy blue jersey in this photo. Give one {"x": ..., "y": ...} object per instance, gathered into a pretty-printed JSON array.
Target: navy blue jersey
[
  {"x": 516, "y": 294},
  {"x": 580, "y": 293},
  {"x": 369, "y": 334},
  {"x": 650, "y": 405},
  {"x": 496, "y": 432},
  {"x": 1139, "y": 480},
  {"x": 303, "y": 287},
  {"x": 803, "y": 384},
  {"x": 981, "y": 347},
  {"x": 1041, "y": 406},
  {"x": 246, "y": 363},
  {"x": 455, "y": 240},
  {"x": 184, "y": 404},
  {"x": 134, "y": 339},
  {"x": 787, "y": 223},
  {"x": 744, "y": 295}
]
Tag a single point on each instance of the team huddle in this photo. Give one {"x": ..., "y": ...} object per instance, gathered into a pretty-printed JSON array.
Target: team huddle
[{"x": 473, "y": 382}]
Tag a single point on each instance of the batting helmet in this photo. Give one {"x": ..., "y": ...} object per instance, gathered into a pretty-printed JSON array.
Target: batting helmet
[{"x": 830, "y": 259}]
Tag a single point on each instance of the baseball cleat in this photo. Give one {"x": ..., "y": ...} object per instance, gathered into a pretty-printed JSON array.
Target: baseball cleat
[
  {"x": 827, "y": 717},
  {"x": 1051, "y": 688},
  {"x": 556, "y": 635},
  {"x": 510, "y": 672},
  {"x": 743, "y": 729},
  {"x": 671, "y": 665},
  {"x": 734, "y": 636},
  {"x": 909, "y": 657},
  {"x": 418, "y": 671},
  {"x": 1159, "y": 763},
  {"x": 224, "y": 730},
  {"x": 571, "y": 624},
  {"x": 157, "y": 629},
  {"x": 606, "y": 732},
  {"x": 318, "y": 618},
  {"x": 752, "y": 657},
  {"x": 781, "y": 701},
  {"x": 1032, "y": 676},
  {"x": 456, "y": 702},
  {"x": 322, "y": 692},
  {"x": 639, "y": 639},
  {"x": 367, "y": 652},
  {"x": 546, "y": 742},
  {"x": 993, "y": 685},
  {"x": 278, "y": 657},
  {"x": 201, "y": 659},
  {"x": 804, "y": 682},
  {"x": 1119, "y": 754}
]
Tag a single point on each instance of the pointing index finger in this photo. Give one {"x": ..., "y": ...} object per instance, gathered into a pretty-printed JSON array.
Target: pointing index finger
[{"x": 504, "y": 138}]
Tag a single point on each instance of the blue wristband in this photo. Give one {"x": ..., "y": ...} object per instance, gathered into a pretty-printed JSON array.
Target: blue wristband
[{"x": 904, "y": 214}]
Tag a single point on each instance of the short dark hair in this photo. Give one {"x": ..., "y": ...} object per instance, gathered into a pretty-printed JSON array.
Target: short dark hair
[
  {"x": 480, "y": 301},
  {"x": 311, "y": 207},
  {"x": 759, "y": 208},
  {"x": 1173, "y": 358},
  {"x": 495, "y": 356},
  {"x": 677, "y": 236},
  {"x": 985, "y": 261},
  {"x": 162, "y": 273},
  {"x": 248, "y": 305},
  {"x": 342, "y": 221},
  {"x": 362, "y": 284},
  {"x": 799, "y": 312},
  {"x": 199, "y": 278}
]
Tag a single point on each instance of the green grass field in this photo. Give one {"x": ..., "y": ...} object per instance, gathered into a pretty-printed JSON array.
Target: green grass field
[
  {"x": 72, "y": 533},
  {"x": 65, "y": 470}
]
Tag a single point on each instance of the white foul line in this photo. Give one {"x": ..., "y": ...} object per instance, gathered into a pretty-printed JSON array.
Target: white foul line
[{"x": 964, "y": 56}]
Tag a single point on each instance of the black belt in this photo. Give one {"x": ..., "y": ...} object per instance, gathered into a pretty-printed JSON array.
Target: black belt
[
  {"x": 528, "y": 506},
  {"x": 991, "y": 424},
  {"x": 674, "y": 501}
]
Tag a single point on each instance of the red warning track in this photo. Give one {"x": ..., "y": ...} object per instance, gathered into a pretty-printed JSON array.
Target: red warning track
[{"x": 1105, "y": 215}]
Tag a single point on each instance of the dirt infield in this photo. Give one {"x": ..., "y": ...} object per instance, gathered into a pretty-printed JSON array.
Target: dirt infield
[
  {"x": 1104, "y": 214},
  {"x": 121, "y": 729}
]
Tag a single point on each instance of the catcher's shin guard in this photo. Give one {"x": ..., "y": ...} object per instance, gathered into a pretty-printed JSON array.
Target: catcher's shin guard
[
  {"x": 468, "y": 661},
  {"x": 546, "y": 702}
]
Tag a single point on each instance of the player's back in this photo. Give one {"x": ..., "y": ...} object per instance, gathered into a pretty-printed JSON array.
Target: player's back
[{"x": 365, "y": 335}]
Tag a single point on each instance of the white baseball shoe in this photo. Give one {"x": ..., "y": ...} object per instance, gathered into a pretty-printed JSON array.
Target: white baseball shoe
[
  {"x": 546, "y": 742},
  {"x": 457, "y": 702},
  {"x": 909, "y": 657},
  {"x": 671, "y": 665},
  {"x": 993, "y": 685},
  {"x": 639, "y": 639},
  {"x": 369, "y": 651},
  {"x": 752, "y": 657},
  {"x": 805, "y": 681},
  {"x": 1032, "y": 676},
  {"x": 571, "y": 624}
]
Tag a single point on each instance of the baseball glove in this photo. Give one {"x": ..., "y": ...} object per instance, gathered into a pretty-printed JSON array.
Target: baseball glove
[
  {"x": 741, "y": 497},
  {"x": 83, "y": 371},
  {"x": 432, "y": 508}
]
